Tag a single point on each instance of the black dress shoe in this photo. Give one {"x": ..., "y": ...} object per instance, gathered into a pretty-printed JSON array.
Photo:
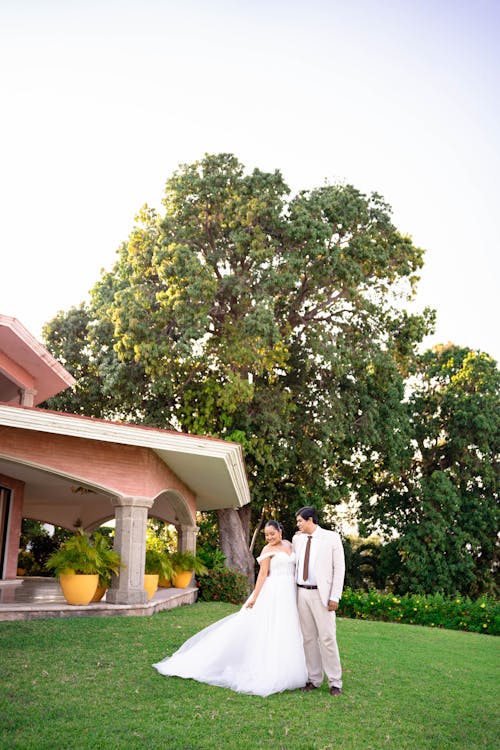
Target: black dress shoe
[
  {"x": 335, "y": 690},
  {"x": 308, "y": 687}
]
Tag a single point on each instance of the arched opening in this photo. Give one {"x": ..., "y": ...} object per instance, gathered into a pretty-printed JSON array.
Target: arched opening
[{"x": 171, "y": 507}]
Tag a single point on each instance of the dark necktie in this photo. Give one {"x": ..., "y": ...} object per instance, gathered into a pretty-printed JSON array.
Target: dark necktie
[{"x": 305, "y": 572}]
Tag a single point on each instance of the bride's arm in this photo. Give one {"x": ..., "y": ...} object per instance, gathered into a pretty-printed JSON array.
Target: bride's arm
[{"x": 263, "y": 572}]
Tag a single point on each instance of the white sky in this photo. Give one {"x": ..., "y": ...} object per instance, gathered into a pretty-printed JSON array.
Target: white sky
[{"x": 103, "y": 99}]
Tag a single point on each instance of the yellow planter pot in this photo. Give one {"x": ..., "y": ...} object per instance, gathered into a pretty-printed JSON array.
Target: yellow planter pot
[
  {"x": 164, "y": 583},
  {"x": 183, "y": 579},
  {"x": 99, "y": 593},
  {"x": 78, "y": 588},
  {"x": 151, "y": 583}
]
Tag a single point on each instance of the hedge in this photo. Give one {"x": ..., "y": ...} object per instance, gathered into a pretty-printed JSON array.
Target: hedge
[{"x": 436, "y": 611}]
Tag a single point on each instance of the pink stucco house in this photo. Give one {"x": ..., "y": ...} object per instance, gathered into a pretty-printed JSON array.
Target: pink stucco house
[{"x": 69, "y": 470}]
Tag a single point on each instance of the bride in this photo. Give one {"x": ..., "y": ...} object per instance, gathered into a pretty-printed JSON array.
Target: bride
[{"x": 259, "y": 649}]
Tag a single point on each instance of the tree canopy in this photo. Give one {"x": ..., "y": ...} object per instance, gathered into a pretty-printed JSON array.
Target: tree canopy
[
  {"x": 443, "y": 503},
  {"x": 246, "y": 313}
]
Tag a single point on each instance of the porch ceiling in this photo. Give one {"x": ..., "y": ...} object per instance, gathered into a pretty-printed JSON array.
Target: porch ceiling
[
  {"x": 54, "y": 499},
  {"x": 213, "y": 469}
]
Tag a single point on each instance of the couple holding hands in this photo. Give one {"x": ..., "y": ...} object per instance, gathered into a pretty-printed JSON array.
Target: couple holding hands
[{"x": 284, "y": 636}]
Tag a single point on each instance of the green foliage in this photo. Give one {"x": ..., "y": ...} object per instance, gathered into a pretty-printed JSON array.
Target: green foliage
[
  {"x": 250, "y": 315},
  {"x": 184, "y": 561},
  {"x": 223, "y": 585},
  {"x": 160, "y": 563},
  {"x": 40, "y": 546},
  {"x": 25, "y": 562},
  {"x": 160, "y": 534},
  {"x": 362, "y": 561},
  {"x": 109, "y": 558},
  {"x": 82, "y": 554},
  {"x": 36, "y": 545},
  {"x": 207, "y": 541},
  {"x": 443, "y": 501},
  {"x": 455, "y": 613},
  {"x": 278, "y": 322},
  {"x": 105, "y": 387},
  {"x": 211, "y": 557},
  {"x": 76, "y": 555},
  {"x": 160, "y": 560}
]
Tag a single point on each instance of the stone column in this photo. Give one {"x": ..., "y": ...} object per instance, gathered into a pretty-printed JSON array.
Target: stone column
[
  {"x": 131, "y": 514},
  {"x": 186, "y": 538}
]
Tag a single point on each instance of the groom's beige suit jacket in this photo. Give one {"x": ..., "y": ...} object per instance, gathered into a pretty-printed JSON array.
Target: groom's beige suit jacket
[{"x": 329, "y": 566}]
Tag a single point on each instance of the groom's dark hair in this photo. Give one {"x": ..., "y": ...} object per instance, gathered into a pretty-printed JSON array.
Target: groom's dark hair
[{"x": 308, "y": 512}]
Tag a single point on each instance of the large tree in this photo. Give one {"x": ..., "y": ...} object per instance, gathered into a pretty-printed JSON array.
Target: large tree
[
  {"x": 442, "y": 504},
  {"x": 244, "y": 313}
]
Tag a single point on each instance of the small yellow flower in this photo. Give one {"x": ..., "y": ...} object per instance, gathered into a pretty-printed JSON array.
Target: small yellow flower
[
  {"x": 483, "y": 605},
  {"x": 485, "y": 625}
]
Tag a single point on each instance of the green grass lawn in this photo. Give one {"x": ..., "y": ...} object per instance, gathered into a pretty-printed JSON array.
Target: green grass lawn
[{"x": 69, "y": 684}]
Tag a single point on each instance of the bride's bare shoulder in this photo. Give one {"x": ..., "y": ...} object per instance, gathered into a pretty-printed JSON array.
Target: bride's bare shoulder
[{"x": 265, "y": 550}]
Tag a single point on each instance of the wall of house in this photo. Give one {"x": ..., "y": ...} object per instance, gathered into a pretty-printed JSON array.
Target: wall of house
[{"x": 116, "y": 469}]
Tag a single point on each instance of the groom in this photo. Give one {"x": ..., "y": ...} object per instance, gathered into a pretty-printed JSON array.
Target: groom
[{"x": 320, "y": 578}]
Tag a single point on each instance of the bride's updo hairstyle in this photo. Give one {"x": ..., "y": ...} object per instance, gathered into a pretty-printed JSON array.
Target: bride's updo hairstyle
[{"x": 275, "y": 524}]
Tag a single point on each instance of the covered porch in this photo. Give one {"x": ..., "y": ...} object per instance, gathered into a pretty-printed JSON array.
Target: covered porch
[
  {"x": 74, "y": 471},
  {"x": 41, "y": 598}
]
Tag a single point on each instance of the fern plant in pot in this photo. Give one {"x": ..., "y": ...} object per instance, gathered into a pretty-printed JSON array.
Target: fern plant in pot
[
  {"x": 185, "y": 564},
  {"x": 76, "y": 566},
  {"x": 109, "y": 564},
  {"x": 157, "y": 565},
  {"x": 81, "y": 565}
]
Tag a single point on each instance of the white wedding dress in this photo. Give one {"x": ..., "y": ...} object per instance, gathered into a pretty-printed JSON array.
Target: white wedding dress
[{"x": 257, "y": 650}]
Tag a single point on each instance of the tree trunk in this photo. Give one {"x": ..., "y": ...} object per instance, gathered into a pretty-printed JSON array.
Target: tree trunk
[
  {"x": 234, "y": 543},
  {"x": 245, "y": 516}
]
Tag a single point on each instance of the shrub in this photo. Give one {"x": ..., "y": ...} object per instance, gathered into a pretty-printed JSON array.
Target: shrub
[
  {"x": 433, "y": 610},
  {"x": 223, "y": 585},
  {"x": 211, "y": 558}
]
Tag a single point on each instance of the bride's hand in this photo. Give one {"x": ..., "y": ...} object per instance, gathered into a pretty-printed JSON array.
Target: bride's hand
[{"x": 250, "y": 603}]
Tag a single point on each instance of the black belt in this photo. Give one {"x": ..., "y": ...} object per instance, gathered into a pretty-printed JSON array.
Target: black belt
[{"x": 303, "y": 586}]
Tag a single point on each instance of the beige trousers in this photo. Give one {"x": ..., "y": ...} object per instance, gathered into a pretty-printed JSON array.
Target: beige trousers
[{"x": 319, "y": 633}]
